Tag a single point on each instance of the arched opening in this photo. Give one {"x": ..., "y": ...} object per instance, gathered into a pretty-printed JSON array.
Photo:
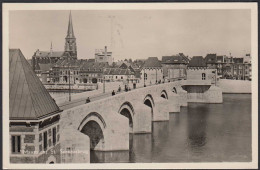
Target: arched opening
[
  {"x": 94, "y": 132},
  {"x": 148, "y": 103},
  {"x": 174, "y": 90},
  {"x": 164, "y": 94},
  {"x": 125, "y": 112},
  {"x": 51, "y": 162}
]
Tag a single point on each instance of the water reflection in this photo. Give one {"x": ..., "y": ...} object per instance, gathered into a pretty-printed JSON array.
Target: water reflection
[{"x": 197, "y": 127}]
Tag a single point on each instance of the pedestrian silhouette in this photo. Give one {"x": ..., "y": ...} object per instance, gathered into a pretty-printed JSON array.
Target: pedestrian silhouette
[
  {"x": 88, "y": 100},
  {"x": 113, "y": 93}
]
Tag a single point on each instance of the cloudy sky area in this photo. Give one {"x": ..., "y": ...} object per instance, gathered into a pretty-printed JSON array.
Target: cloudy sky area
[{"x": 136, "y": 34}]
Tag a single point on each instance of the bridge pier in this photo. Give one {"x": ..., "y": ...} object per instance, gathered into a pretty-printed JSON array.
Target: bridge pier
[
  {"x": 75, "y": 146},
  {"x": 174, "y": 103},
  {"x": 183, "y": 96},
  {"x": 116, "y": 134},
  {"x": 160, "y": 109},
  {"x": 142, "y": 119}
]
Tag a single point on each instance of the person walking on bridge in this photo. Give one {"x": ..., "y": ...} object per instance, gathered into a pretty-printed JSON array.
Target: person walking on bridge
[
  {"x": 113, "y": 93},
  {"x": 88, "y": 100}
]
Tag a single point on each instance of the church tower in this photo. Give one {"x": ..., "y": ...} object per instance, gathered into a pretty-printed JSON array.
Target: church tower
[{"x": 70, "y": 40}]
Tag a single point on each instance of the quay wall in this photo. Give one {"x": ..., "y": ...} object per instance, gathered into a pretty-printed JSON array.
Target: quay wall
[{"x": 234, "y": 86}]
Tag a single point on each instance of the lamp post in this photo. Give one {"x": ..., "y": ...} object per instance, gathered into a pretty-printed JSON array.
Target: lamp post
[
  {"x": 69, "y": 85},
  {"x": 144, "y": 78},
  {"x": 104, "y": 80},
  {"x": 156, "y": 75}
]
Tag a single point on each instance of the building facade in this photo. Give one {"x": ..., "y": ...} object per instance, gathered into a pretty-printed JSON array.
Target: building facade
[
  {"x": 120, "y": 74},
  {"x": 92, "y": 72},
  {"x": 198, "y": 70},
  {"x": 103, "y": 56},
  {"x": 174, "y": 67},
  {"x": 152, "y": 72},
  {"x": 34, "y": 122}
]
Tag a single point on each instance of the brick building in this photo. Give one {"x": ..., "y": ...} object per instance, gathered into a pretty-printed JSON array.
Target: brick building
[
  {"x": 174, "y": 67},
  {"x": 33, "y": 117}
]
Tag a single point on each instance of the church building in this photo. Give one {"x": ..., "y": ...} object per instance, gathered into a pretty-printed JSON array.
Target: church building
[{"x": 46, "y": 57}]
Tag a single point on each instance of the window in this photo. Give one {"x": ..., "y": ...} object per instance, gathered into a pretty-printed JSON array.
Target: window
[
  {"x": 45, "y": 140},
  {"x": 203, "y": 76},
  {"x": 16, "y": 144},
  {"x": 121, "y": 77},
  {"x": 54, "y": 135},
  {"x": 116, "y": 77},
  {"x": 145, "y": 76}
]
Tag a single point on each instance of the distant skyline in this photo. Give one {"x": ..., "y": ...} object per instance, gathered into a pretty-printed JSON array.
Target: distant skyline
[{"x": 137, "y": 34}]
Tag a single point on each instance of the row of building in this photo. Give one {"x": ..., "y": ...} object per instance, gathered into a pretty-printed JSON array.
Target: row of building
[
  {"x": 63, "y": 67},
  {"x": 152, "y": 70}
]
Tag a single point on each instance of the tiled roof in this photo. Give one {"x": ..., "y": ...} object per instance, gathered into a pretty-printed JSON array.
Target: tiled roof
[
  {"x": 177, "y": 59},
  {"x": 45, "y": 67},
  {"x": 29, "y": 100},
  {"x": 211, "y": 58},
  {"x": 152, "y": 62},
  {"x": 117, "y": 71},
  {"x": 49, "y": 54},
  {"x": 197, "y": 61}
]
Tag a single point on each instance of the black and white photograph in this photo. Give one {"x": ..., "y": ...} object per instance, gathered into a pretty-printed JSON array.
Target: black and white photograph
[{"x": 153, "y": 85}]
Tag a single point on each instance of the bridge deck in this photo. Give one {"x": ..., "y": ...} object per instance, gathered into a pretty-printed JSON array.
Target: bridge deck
[{"x": 75, "y": 103}]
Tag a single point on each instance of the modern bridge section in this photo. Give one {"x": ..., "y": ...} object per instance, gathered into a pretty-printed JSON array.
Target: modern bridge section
[{"x": 108, "y": 122}]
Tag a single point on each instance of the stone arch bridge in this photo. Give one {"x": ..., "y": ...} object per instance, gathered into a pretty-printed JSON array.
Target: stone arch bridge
[{"x": 108, "y": 122}]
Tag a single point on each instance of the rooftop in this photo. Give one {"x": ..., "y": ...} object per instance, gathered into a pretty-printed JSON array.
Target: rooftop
[
  {"x": 29, "y": 100},
  {"x": 152, "y": 62},
  {"x": 197, "y": 61}
]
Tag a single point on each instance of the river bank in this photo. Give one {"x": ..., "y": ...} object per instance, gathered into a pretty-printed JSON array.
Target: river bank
[{"x": 235, "y": 86}]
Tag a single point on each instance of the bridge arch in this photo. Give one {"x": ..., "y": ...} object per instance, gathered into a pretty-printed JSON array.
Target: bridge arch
[
  {"x": 93, "y": 125},
  {"x": 174, "y": 89},
  {"x": 127, "y": 110},
  {"x": 164, "y": 94},
  {"x": 149, "y": 101}
]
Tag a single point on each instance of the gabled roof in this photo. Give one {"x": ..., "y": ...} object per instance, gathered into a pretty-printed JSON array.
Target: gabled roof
[
  {"x": 211, "y": 58},
  {"x": 29, "y": 100},
  {"x": 175, "y": 59},
  {"x": 123, "y": 66},
  {"x": 49, "y": 53},
  {"x": 197, "y": 61},
  {"x": 152, "y": 62}
]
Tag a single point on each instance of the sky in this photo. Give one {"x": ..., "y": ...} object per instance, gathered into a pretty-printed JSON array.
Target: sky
[{"x": 135, "y": 34}]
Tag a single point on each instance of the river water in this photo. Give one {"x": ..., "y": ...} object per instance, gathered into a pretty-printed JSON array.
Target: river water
[{"x": 199, "y": 133}]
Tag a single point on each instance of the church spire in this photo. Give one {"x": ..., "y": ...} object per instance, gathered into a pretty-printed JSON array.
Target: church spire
[
  {"x": 70, "y": 33},
  {"x": 51, "y": 49},
  {"x": 70, "y": 40}
]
